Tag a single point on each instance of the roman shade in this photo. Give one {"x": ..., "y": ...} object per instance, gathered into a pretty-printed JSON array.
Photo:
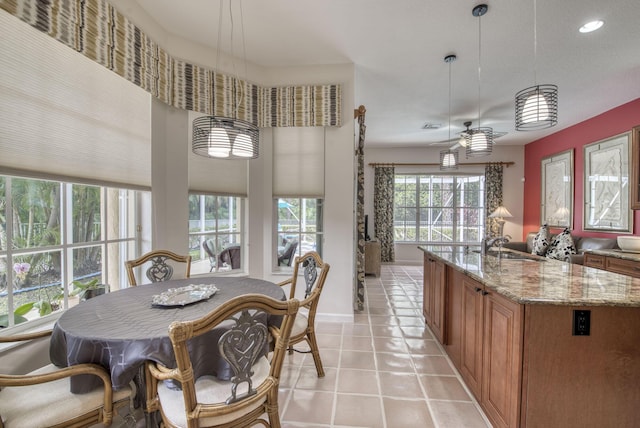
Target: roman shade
[
  {"x": 298, "y": 162},
  {"x": 67, "y": 117}
]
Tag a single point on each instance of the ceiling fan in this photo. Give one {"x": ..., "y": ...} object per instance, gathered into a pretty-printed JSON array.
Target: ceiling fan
[{"x": 460, "y": 139}]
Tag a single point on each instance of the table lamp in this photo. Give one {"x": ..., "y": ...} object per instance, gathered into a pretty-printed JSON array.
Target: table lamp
[{"x": 500, "y": 214}]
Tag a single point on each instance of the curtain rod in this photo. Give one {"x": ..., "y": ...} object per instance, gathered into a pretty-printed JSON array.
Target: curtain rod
[{"x": 507, "y": 164}]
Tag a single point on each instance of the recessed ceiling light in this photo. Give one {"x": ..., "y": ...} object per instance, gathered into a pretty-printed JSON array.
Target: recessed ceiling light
[{"x": 591, "y": 26}]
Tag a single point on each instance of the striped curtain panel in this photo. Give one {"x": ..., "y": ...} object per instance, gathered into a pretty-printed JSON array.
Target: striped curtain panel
[
  {"x": 383, "y": 211},
  {"x": 358, "y": 301},
  {"x": 493, "y": 196}
]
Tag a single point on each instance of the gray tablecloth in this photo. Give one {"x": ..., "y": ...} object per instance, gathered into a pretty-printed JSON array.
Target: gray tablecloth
[{"x": 120, "y": 330}]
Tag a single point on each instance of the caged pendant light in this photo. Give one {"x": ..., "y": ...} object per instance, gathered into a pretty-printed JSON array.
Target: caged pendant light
[
  {"x": 537, "y": 106},
  {"x": 224, "y": 137},
  {"x": 480, "y": 139},
  {"x": 449, "y": 158}
]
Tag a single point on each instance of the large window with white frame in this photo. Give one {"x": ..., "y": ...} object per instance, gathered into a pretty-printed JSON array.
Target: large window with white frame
[
  {"x": 53, "y": 233},
  {"x": 438, "y": 208},
  {"x": 215, "y": 233},
  {"x": 299, "y": 228}
]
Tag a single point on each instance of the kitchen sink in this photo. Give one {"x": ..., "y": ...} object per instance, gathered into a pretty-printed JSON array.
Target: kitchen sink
[{"x": 513, "y": 255}]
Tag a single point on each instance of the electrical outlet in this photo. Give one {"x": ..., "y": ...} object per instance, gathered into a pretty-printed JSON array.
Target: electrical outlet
[{"x": 581, "y": 322}]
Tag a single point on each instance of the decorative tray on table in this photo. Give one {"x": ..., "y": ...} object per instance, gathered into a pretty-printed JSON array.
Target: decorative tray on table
[{"x": 183, "y": 296}]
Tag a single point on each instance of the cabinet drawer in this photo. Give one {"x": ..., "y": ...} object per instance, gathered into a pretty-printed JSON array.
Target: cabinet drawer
[
  {"x": 595, "y": 261},
  {"x": 625, "y": 267}
]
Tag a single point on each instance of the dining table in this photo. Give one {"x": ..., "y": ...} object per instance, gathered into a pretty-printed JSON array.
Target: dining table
[{"x": 123, "y": 329}]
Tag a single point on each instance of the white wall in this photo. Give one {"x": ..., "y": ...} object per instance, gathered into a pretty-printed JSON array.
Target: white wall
[{"x": 513, "y": 184}]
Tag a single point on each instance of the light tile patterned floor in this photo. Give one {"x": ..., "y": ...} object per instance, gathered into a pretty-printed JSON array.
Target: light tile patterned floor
[{"x": 384, "y": 371}]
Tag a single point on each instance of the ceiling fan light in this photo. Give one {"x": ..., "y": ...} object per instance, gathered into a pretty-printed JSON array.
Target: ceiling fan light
[{"x": 537, "y": 107}]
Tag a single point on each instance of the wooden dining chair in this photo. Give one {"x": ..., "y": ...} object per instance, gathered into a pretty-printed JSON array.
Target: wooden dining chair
[
  {"x": 252, "y": 390},
  {"x": 158, "y": 269},
  {"x": 314, "y": 271},
  {"x": 43, "y": 398}
]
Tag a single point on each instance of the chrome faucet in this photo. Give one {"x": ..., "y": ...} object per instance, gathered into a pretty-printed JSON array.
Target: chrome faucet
[{"x": 490, "y": 242}]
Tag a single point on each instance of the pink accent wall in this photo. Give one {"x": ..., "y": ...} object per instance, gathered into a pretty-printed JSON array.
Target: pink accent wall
[{"x": 608, "y": 124}]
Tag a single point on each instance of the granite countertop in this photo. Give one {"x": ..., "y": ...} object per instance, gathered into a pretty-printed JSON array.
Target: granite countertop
[
  {"x": 618, "y": 254},
  {"x": 538, "y": 280}
]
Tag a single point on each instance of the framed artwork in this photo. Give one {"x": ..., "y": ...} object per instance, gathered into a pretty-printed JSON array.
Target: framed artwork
[
  {"x": 606, "y": 185},
  {"x": 556, "y": 190},
  {"x": 635, "y": 168}
]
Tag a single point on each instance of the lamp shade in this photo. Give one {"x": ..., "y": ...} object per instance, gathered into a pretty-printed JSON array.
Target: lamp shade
[
  {"x": 537, "y": 107},
  {"x": 501, "y": 212},
  {"x": 479, "y": 141},
  {"x": 448, "y": 160},
  {"x": 221, "y": 137}
]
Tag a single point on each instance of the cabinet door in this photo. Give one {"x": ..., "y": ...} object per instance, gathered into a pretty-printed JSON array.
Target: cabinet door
[
  {"x": 502, "y": 360},
  {"x": 471, "y": 335},
  {"x": 438, "y": 300}
]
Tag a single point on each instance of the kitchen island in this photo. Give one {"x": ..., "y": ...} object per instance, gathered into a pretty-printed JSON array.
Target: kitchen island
[{"x": 539, "y": 342}]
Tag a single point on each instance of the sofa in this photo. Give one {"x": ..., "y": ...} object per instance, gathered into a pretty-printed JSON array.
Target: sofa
[{"x": 581, "y": 243}]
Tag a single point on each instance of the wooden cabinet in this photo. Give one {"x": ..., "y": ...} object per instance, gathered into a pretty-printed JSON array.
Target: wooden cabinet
[
  {"x": 612, "y": 264},
  {"x": 526, "y": 365},
  {"x": 490, "y": 334},
  {"x": 502, "y": 360},
  {"x": 434, "y": 296},
  {"x": 372, "y": 258}
]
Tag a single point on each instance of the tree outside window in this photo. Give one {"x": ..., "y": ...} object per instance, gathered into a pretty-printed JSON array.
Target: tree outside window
[{"x": 52, "y": 233}]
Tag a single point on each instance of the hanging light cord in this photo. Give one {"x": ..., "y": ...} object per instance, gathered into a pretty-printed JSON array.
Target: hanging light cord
[
  {"x": 535, "y": 43},
  {"x": 479, "y": 63},
  {"x": 450, "y": 99},
  {"x": 240, "y": 99}
]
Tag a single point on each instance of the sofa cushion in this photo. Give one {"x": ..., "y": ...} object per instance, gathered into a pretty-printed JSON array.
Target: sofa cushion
[
  {"x": 541, "y": 241},
  {"x": 561, "y": 246}
]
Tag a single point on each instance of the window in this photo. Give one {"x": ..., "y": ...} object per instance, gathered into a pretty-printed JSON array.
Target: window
[
  {"x": 52, "y": 233},
  {"x": 438, "y": 208},
  {"x": 215, "y": 233},
  {"x": 299, "y": 228}
]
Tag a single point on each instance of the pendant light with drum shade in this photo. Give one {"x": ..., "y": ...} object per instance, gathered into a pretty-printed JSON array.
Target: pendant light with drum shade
[
  {"x": 449, "y": 158},
  {"x": 537, "y": 106},
  {"x": 480, "y": 139},
  {"x": 224, "y": 137}
]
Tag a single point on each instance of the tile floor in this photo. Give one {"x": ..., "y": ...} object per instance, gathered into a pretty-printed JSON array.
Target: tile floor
[{"x": 383, "y": 371}]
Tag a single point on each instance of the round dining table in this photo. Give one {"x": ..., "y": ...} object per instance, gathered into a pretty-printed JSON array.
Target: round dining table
[{"x": 122, "y": 329}]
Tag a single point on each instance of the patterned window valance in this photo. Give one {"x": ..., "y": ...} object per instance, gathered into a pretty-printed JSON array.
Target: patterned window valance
[{"x": 98, "y": 31}]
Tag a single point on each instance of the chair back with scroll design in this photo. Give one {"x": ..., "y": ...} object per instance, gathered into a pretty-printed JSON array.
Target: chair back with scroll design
[
  {"x": 43, "y": 397},
  {"x": 314, "y": 272},
  {"x": 158, "y": 269},
  {"x": 252, "y": 391}
]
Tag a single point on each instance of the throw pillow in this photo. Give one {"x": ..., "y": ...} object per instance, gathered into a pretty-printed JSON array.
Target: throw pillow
[
  {"x": 561, "y": 246},
  {"x": 541, "y": 241}
]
